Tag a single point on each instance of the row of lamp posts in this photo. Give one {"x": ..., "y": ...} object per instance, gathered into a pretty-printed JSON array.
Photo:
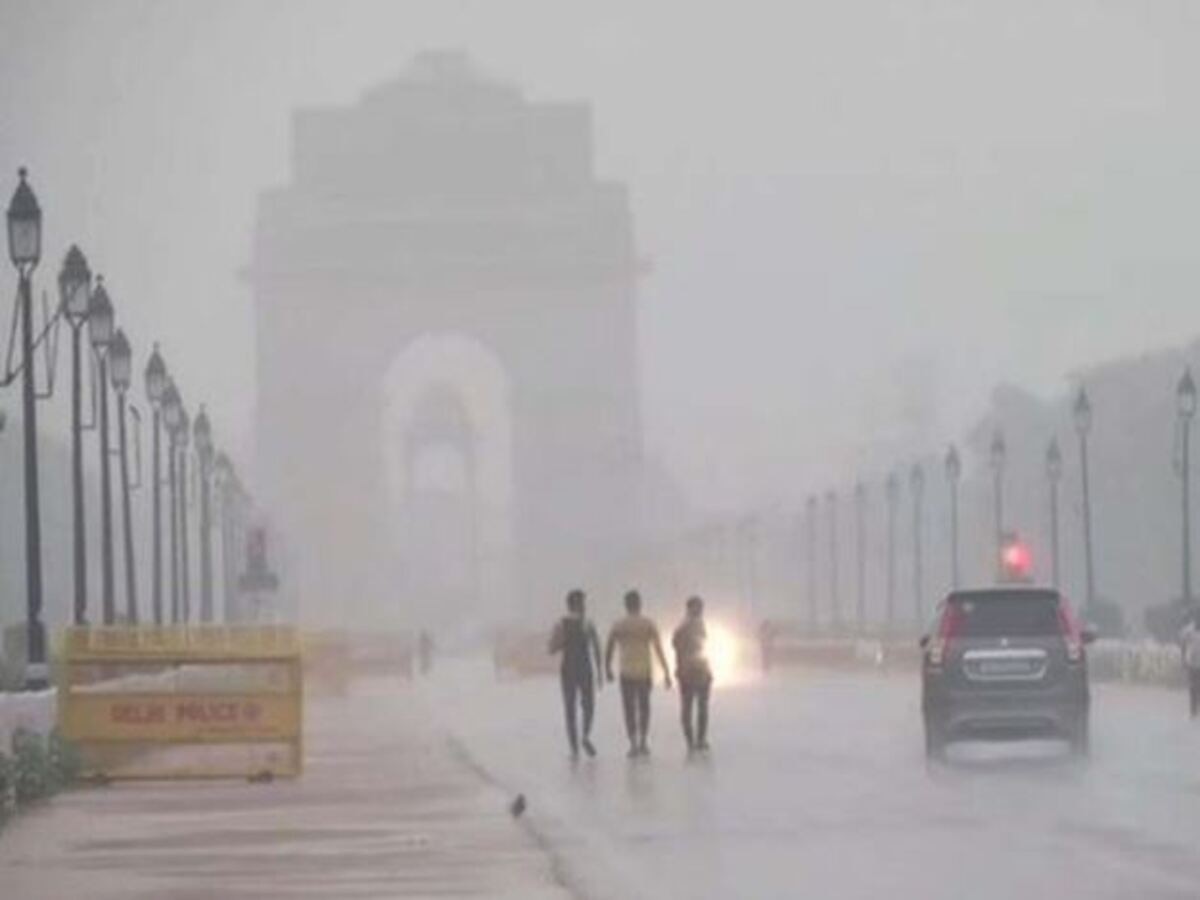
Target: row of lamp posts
[
  {"x": 953, "y": 469},
  {"x": 1186, "y": 404},
  {"x": 892, "y": 495},
  {"x": 1081, "y": 413},
  {"x": 824, "y": 510},
  {"x": 82, "y": 302}
]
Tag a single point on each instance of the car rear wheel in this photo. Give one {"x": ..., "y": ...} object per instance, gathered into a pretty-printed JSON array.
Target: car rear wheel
[
  {"x": 1080, "y": 736},
  {"x": 935, "y": 741}
]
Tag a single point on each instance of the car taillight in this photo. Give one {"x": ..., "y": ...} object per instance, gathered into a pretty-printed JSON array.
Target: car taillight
[
  {"x": 952, "y": 620},
  {"x": 1071, "y": 632},
  {"x": 948, "y": 627}
]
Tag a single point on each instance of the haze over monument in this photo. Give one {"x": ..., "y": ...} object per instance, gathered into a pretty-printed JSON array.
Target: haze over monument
[
  {"x": 1003, "y": 240},
  {"x": 482, "y": 286},
  {"x": 394, "y": 389}
]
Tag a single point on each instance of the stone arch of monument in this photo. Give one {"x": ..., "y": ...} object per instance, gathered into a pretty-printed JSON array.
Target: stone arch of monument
[
  {"x": 448, "y": 393},
  {"x": 444, "y": 203}
]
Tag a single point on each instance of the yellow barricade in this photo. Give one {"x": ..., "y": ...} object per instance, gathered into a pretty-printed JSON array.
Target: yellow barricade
[
  {"x": 327, "y": 662},
  {"x": 183, "y": 701}
]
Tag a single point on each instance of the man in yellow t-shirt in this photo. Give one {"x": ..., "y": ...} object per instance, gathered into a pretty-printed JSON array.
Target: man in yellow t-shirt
[{"x": 636, "y": 636}]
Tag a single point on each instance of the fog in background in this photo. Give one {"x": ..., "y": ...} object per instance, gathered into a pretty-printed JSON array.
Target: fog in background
[
  {"x": 864, "y": 230},
  {"x": 859, "y": 216}
]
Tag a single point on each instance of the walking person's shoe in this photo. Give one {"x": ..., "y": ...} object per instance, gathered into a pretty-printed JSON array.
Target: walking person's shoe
[
  {"x": 634, "y": 752},
  {"x": 589, "y": 748}
]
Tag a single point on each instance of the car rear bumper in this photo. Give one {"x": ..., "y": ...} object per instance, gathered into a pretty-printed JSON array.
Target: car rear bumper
[{"x": 1006, "y": 714}]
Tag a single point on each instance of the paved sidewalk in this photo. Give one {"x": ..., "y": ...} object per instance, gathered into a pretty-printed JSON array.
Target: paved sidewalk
[{"x": 386, "y": 808}]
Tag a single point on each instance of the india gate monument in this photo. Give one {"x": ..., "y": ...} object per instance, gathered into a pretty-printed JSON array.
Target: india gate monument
[{"x": 448, "y": 422}]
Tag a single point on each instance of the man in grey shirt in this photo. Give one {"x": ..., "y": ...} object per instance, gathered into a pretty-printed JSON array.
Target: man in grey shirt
[{"x": 575, "y": 638}]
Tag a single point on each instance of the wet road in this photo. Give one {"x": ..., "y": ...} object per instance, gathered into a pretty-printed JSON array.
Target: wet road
[
  {"x": 383, "y": 810},
  {"x": 818, "y": 787}
]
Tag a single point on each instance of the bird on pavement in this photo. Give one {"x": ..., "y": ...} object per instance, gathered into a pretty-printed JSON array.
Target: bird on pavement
[{"x": 517, "y": 807}]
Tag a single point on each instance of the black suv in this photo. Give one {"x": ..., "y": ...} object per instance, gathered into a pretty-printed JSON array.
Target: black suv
[{"x": 1005, "y": 663}]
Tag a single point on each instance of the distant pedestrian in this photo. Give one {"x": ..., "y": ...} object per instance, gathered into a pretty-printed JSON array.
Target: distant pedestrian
[
  {"x": 694, "y": 675},
  {"x": 636, "y": 636},
  {"x": 575, "y": 638},
  {"x": 1190, "y": 641}
]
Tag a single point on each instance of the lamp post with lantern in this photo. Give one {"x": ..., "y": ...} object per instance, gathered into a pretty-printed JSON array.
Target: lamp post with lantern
[
  {"x": 1083, "y": 425},
  {"x": 239, "y": 511},
  {"x": 953, "y": 476},
  {"x": 223, "y": 484},
  {"x": 860, "y": 556},
  {"x": 835, "y": 602},
  {"x": 100, "y": 332},
  {"x": 202, "y": 432},
  {"x": 25, "y": 250},
  {"x": 121, "y": 370},
  {"x": 156, "y": 386},
  {"x": 172, "y": 412},
  {"x": 917, "y": 483},
  {"x": 997, "y": 458},
  {"x": 1185, "y": 396},
  {"x": 185, "y": 577},
  {"x": 810, "y": 508},
  {"x": 74, "y": 288},
  {"x": 1053, "y": 477},
  {"x": 892, "y": 490}
]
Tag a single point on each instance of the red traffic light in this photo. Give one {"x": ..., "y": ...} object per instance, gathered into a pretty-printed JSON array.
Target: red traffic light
[{"x": 1016, "y": 559}]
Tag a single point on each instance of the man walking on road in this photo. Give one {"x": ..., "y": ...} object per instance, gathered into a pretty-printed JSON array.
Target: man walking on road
[
  {"x": 1190, "y": 640},
  {"x": 576, "y": 639},
  {"x": 636, "y": 635},
  {"x": 694, "y": 675}
]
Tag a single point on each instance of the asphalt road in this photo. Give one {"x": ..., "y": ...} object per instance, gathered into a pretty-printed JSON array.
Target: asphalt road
[{"x": 818, "y": 787}]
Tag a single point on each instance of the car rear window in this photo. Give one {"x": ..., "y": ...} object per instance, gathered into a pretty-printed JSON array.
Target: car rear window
[{"x": 982, "y": 614}]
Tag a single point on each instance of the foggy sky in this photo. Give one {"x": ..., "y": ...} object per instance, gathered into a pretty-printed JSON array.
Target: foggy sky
[{"x": 860, "y": 215}]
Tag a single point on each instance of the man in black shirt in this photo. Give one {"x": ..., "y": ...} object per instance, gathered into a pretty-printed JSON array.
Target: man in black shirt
[
  {"x": 576, "y": 639},
  {"x": 694, "y": 675}
]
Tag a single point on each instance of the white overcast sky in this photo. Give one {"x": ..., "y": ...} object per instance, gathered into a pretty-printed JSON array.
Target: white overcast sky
[{"x": 846, "y": 203}]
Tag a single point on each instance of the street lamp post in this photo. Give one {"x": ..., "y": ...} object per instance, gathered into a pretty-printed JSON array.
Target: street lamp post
[
  {"x": 223, "y": 484},
  {"x": 1083, "y": 425},
  {"x": 121, "y": 369},
  {"x": 237, "y": 538},
  {"x": 953, "y": 476},
  {"x": 811, "y": 514},
  {"x": 202, "y": 432},
  {"x": 100, "y": 332},
  {"x": 185, "y": 577},
  {"x": 917, "y": 483},
  {"x": 172, "y": 410},
  {"x": 860, "y": 550},
  {"x": 74, "y": 288},
  {"x": 25, "y": 249},
  {"x": 1053, "y": 477},
  {"x": 997, "y": 457},
  {"x": 156, "y": 386},
  {"x": 892, "y": 489},
  {"x": 1185, "y": 396},
  {"x": 835, "y": 602}
]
